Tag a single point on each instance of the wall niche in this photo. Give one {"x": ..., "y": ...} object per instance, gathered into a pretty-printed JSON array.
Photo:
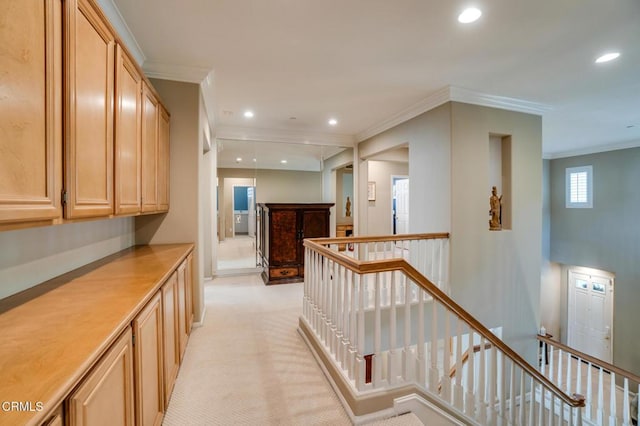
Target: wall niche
[{"x": 500, "y": 174}]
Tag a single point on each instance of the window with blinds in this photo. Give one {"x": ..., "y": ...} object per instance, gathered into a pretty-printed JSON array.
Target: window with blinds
[{"x": 579, "y": 193}]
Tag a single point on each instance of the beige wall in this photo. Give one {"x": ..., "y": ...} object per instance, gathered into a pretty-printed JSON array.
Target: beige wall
[
  {"x": 284, "y": 186},
  {"x": 31, "y": 256},
  {"x": 496, "y": 274},
  {"x": 379, "y": 211},
  {"x": 184, "y": 222}
]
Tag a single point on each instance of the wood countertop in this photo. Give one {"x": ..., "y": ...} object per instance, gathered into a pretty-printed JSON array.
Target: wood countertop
[{"x": 52, "y": 334}]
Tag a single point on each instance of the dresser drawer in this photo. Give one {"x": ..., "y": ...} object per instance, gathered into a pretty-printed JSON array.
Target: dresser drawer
[{"x": 283, "y": 272}]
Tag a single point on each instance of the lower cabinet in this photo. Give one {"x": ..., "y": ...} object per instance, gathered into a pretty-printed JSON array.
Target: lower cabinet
[
  {"x": 148, "y": 365},
  {"x": 105, "y": 396},
  {"x": 171, "y": 338},
  {"x": 56, "y": 418}
]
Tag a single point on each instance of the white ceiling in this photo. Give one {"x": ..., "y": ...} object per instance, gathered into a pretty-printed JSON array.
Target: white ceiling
[{"x": 364, "y": 61}]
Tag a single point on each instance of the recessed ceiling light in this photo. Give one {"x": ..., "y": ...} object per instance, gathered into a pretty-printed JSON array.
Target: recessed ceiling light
[
  {"x": 469, "y": 15},
  {"x": 333, "y": 122},
  {"x": 248, "y": 114},
  {"x": 238, "y": 160},
  {"x": 283, "y": 161},
  {"x": 254, "y": 160},
  {"x": 607, "y": 57}
]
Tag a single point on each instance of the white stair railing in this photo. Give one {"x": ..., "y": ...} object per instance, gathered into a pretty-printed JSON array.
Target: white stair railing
[
  {"x": 384, "y": 325},
  {"x": 606, "y": 402}
]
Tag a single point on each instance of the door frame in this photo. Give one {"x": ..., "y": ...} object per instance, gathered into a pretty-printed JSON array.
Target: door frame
[
  {"x": 595, "y": 273},
  {"x": 394, "y": 178}
]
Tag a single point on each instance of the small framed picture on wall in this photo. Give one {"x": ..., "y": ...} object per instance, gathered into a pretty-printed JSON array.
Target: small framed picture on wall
[{"x": 371, "y": 191}]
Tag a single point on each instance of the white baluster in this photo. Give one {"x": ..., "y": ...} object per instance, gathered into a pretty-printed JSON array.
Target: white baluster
[
  {"x": 551, "y": 364},
  {"x": 446, "y": 358},
  {"x": 541, "y": 406},
  {"x": 421, "y": 343},
  {"x": 559, "y": 378},
  {"x": 612, "y": 400},
  {"x": 600, "y": 405},
  {"x": 391, "y": 368},
  {"x": 501, "y": 378},
  {"x": 589, "y": 400},
  {"x": 523, "y": 398},
  {"x": 579, "y": 377},
  {"x": 532, "y": 404},
  {"x": 353, "y": 325},
  {"x": 493, "y": 377},
  {"x": 339, "y": 309},
  {"x": 377, "y": 334},
  {"x": 469, "y": 403},
  {"x": 346, "y": 326},
  {"x": 569, "y": 362},
  {"x": 458, "y": 390},
  {"x": 433, "y": 371},
  {"x": 552, "y": 409},
  {"x": 482, "y": 391},
  {"x": 406, "y": 355},
  {"x": 512, "y": 393},
  {"x": 360, "y": 348},
  {"x": 626, "y": 418},
  {"x": 543, "y": 357}
]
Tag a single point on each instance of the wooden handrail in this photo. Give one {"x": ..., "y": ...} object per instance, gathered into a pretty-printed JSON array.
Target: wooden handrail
[
  {"x": 381, "y": 238},
  {"x": 385, "y": 265},
  {"x": 593, "y": 360}
]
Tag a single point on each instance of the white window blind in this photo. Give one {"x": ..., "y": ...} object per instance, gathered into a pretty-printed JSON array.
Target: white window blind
[{"x": 579, "y": 187}]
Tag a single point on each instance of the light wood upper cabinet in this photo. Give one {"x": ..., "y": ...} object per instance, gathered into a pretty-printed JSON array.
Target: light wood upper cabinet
[
  {"x": 149, "y": 150},
  {"x": 148, "y": 361},
  {"x": 30, "y": 110},
  {"x": 128, "y": 118},
  {"x": 105, "y": 396},
  {"x": 89, "y": 78},
  {"x": 163, "y": 159}
]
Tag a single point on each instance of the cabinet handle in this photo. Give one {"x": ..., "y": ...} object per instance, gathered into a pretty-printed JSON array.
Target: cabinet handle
[{"x": 284, "y": 272}]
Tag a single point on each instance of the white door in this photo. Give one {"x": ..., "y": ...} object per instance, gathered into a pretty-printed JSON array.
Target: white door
[
  {"x": 590, "y": 315},
  {"x": 402, "y": 206}
]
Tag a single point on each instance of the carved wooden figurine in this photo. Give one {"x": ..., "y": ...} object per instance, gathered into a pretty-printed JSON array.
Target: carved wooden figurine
[
  {"x": 348, "y": 212},
  {"x": 495, "y": 202}
]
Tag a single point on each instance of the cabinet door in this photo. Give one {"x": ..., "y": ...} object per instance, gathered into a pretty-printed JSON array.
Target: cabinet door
[
  {"x": 170, "y": 333},
  {"x": 148, "y": 365},
  {"x": 127, "y": 135},
  {"x": 89, "y": 75},
  {"x": 30, "y": 110},
  {"x": 182, "y": 308},
  {"x": 149, "y": 150},
  {"x": 105, "y": 396},
  {"x": 315, "y": 224},
  {"x": 284, "y": 244},
  {"x": 163, "y": 159}
]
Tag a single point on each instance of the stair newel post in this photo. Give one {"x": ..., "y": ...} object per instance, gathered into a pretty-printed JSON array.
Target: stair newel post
[
  {"x": 360, "y": 364},
  {"x": 391, "y": 367},
  {"x": 482, "y": 387},
  {"x": 469, "y": 403},
  {"x": 579, "y": 416},
  {"x": 377, "y": 333},
  {"x": 406, "y": 351},
  {"x": 458, "y": 390},
  {"x": 421, "y": 358},
  {"x": 612, "y": 400}
]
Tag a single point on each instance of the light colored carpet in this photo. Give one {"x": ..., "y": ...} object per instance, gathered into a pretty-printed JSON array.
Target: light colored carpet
[
  {"x": 237, "y": 253},
  {"x": 247, "y": 365}
]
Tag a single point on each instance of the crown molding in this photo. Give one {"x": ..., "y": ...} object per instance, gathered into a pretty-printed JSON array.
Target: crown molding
[
  {"x": 432, "y": 101},
  {"x": 283, "y": 136},
  {"x": 459, "y": 94},
  {"x": 591, "y": 150},
  {"x": 456, "y": 94},
  {"x": 175, "y": 72},
  {"x": 124, "y": 32}
]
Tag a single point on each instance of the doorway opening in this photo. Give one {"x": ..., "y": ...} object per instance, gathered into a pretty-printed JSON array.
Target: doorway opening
[
  {"x": 400, "y": 204},
  {"x": 590, "y": 313}
]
